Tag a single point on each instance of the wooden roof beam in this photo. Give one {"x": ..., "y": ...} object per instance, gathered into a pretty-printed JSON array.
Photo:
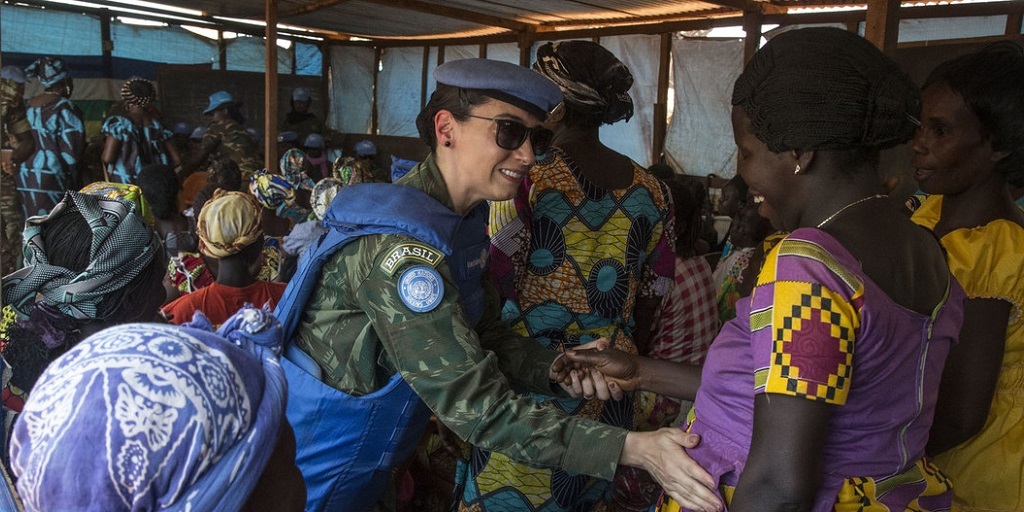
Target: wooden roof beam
[
  {"x": 749, "y": 6},
  {"x": 458, "y": 14},
  {"x": 310, "y": 7},
  {"x": 634, "y": 20}
]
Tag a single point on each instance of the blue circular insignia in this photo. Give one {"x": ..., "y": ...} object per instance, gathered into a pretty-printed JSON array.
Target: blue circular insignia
[{"x": 421, "y": 288}]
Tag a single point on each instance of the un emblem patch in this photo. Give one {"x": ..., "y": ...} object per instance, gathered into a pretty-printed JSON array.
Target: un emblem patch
[{"x": 421, "y": 288}]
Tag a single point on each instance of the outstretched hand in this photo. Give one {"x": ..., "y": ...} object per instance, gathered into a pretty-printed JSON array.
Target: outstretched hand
[
  {"x": 619, "y": 370},
  {"x": 575, "y": 379}
]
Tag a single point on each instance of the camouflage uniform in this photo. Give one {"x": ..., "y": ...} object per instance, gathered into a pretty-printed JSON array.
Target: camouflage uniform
[
  {"x": 360, "y": 332},
  {"x": 228, "y": 139},
  {"x": 12, "y": 115},
  {"x": 302, "y": 124}
]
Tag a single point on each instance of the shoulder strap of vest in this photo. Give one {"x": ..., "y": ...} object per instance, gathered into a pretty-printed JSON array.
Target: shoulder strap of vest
[{"x": 360, "y": 210}]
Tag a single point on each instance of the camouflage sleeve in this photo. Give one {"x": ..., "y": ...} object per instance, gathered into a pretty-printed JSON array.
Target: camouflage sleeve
[
  {"x": 440, "y": 356},
  {"x": 521, "y": 359}
]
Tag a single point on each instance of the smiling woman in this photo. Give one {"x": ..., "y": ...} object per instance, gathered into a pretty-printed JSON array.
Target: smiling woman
[
  {"x": 393, "y": 317},
  {"x": 584, "y": 250}
]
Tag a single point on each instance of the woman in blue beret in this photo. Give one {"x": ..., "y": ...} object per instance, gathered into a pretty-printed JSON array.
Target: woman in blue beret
[{"x": 392, "y": 317}]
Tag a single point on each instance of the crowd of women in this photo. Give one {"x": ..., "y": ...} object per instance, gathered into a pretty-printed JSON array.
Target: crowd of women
[{"x": 527, "y": 319}]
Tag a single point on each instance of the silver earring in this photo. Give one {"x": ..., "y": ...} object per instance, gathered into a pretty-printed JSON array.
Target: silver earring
[{"x": 797, "y": 170}]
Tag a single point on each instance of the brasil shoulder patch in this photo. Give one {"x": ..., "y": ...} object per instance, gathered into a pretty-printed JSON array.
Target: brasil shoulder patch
[{"x": 410, "y": 252}]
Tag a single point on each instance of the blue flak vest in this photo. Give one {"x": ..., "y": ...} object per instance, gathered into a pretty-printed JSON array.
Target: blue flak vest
[{"x": 347, "y": 446}]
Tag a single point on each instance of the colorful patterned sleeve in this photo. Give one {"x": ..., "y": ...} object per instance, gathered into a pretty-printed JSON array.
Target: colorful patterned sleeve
[
  {"x": 116, "y": 127},
  {"x": 804, "y": 320},
  {"x": 659, "y": 268},
  {"x": 509, "y": 227}
]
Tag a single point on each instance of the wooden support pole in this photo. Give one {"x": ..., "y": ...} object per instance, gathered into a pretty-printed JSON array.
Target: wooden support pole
[
  {"x": 440, "y": 55},
  {"x": 483, "y": 51},
  {"x": 752, "y": 21},
  {"x": 424, "y": 79},
  {"x": 661, "y": 106},
  {"x": 1013, "y": 23},
  {"x": 270, "y": 87},
  {"x": 222, "y": 51},
  {"x": 525, "y": 39},
  {"x": 882, "y": 24},
  {"x": 107, "y": 45}
]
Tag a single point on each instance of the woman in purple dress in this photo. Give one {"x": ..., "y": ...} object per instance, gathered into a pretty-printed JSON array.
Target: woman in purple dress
[{"x": 820, "y": 393}]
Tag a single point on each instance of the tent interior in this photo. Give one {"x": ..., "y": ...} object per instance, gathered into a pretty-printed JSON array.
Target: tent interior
[{"x": 369, "y": 63}]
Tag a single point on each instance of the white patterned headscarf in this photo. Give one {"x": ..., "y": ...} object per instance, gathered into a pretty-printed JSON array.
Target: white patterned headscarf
[{"x": 145, "y": 417}]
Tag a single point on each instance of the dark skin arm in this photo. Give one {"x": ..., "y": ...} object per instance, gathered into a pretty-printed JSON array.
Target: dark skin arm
[
  {"x": 23, "y": 147},
  {"x": 172, "y": 153},
  {"x": 111, "y": 147},
  {"x": 970, "y": 375},
  {"x": 783, "y": 469},
  {"x": 630, "y": 372}
]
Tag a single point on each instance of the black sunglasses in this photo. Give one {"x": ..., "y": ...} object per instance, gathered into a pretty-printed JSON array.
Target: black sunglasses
[{"x": 512, "y": 134}]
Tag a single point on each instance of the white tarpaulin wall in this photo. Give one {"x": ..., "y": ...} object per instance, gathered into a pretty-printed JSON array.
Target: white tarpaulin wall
[
  {"x": 700, "y": 133},
  {"x": 399, "y": 90},
  {"x": 640, "y": 53},
  {"x": 351, "y": 94}
]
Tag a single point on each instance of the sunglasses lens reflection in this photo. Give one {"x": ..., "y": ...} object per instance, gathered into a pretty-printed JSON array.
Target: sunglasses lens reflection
[{"x": 512, "y": 134}]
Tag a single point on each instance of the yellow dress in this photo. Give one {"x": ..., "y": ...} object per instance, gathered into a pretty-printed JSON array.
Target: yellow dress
[{"x": 987, "y": 471}]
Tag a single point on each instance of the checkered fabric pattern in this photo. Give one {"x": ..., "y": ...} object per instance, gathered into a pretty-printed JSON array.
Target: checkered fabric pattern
[{"x": 688, "y": 318}]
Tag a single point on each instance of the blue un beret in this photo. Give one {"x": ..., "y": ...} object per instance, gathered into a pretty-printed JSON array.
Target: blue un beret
[{"x": 503, "y": 81}]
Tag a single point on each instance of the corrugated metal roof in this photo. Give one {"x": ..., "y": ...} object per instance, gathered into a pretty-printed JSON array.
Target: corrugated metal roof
[{"x": 447, "y": 19}]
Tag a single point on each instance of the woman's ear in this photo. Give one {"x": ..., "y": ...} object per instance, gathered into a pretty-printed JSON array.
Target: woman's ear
[
  {"x": 803, "y": 160},
  {"x": 444, "y": 126}
]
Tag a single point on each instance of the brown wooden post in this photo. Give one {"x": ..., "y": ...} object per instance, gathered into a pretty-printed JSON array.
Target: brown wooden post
[
  {"x": 526, "y": 38},
  {"x": 1013, "y": 23},
  {"x": 222, "y": 51},
  {"x": 752, "y": 21},
  {"x": 107, "y": 45},
  {"x": 440, "y": 55},
  {"x": 882, "y": 24},
  {"x": 424, "y": 80},
  {"x": 270, "y": 87},
  {"x": 483, "y": 51},
  {"x": 661, "y": 106}
]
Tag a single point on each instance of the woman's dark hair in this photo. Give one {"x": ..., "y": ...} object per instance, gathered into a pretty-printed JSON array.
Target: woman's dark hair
[
  {"x": 68, "y": 242},
  {"x": 456, "y": 100},
  {"x": 688, "y": 198},
  {"x": 160, "y": 187},
  {"x": 224, "y": 173},
  {"x": 991, "y": 83}
]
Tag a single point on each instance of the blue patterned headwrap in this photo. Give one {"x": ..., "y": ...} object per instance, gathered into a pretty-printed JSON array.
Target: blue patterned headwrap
[
  {"x": 293, "y": 165},
  {"x": 154, "y": 417},
  {"x": 49, "y": 70}
]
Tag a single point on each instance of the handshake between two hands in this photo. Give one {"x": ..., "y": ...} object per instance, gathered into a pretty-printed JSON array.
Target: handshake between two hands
[{"x": 596, "y": 370}]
